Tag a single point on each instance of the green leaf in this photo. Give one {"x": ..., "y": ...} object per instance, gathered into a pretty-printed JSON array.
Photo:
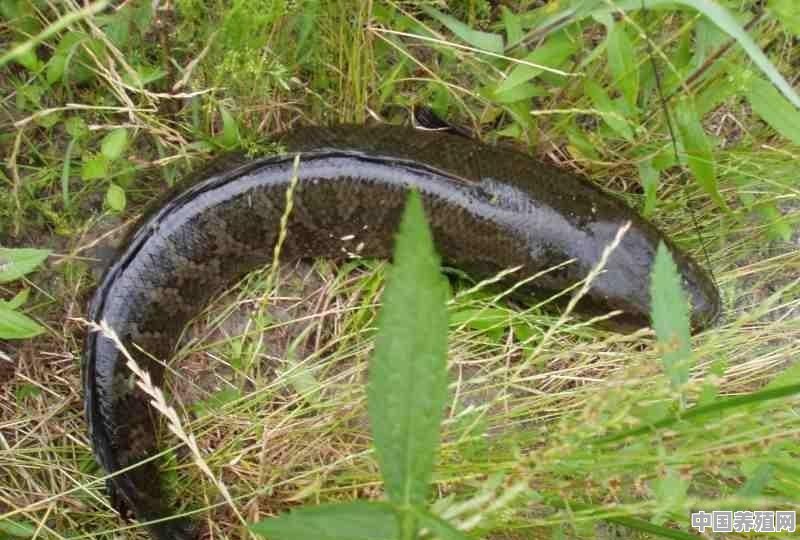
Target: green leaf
[
  {"x": 649, "y": 178},
  {"x": 16, "y": 262},
  {"x": 408, "y": 373},
  {"x": 512, "y": 24},
  {"x": 786, "y": 11},
  {"x": 76, "y": 127},
  {"x": 95, "y": 167},
  {"x": 480, "y": 40},
  {"x": 698, "y": 150},
  {"x": 611, "y": 113},
  {"x": 55, "y": 68},
  {"x": 725, "y": 21},
  {"x": 670, "y": 313},
  {"x": 115, "y": 198},
  {"x": 15, "y": 303},
  {"x": 17, "y": 529},
  {"x": 519, "y": 92},
  {"x": 229, "y": 138},
  {"x": 552, "y": 53},
  {"x": 348, "y": 521},
  {"x": 622, "y": 60},
  {"x": 773, "y": 108},
  {"x": 114, "y": 143},
  {"x": 699, "y": 411},
  {"x": 16, "y": 325}
]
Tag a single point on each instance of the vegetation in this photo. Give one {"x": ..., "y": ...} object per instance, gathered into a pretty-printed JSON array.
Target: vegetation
[{"x": 552, "y": 428}]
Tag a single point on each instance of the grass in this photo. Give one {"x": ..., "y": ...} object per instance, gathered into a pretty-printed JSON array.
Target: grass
[{"x": 275, "y": 397}]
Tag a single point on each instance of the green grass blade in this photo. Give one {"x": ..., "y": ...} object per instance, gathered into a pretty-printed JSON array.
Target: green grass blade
[
  {"x": 349, "y": 521},
  {"x": 622, "y": 60},
  {"x": 408, "y": 373},
  {"x": 480, "y": 40},
  {"x": 773, "y": 109},
  {"x": 70, "y": 18},
  {"x": 702, "y": 410},
  {"x": 670, "y": 314}
]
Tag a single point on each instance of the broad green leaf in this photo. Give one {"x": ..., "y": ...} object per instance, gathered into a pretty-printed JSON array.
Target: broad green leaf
[
  {"x": 229, "y": 138},
  {"x": 670, "y": 314},
  {"x": 698, "y": 149},
  {"x": 347, "y": 521},
  {"x": 648, "y": 175},
  {"x": 440, "y": 528},
  {"x": 114, "y": 143},
  {"x": 611, "y": 113},
  {"x": 552, "y": 53},
  {"x": 622, "y": 60},
  {"x": 773, "y": 108},
  {"x": 115, "y": 198},
  {"x": 512, "y": 25},
  {"x": 15, "y": 303},
  {"x": 788, "y": 13},
  {"x": 16, "y": 262},
  {"x": 52, "y": 29},
  {"x": 700, "y": 411},
  {"x": 519, "y": 92},
  {"x": 480, "y": 40},
  {"x": 95, "y": 167},
  {"x": 408, "y": 371},
  {"x": 17, "y": 529},
  {"x": 55, "y": 68},
  {"x": 16, "y": 325}
]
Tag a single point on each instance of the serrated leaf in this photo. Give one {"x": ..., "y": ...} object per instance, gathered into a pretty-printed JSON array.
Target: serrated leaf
[
  {"x": 95, "y": 167},
  {"x": 622, "y": 60},
  {"x": 480, "y": 40},
  {"x": 16, "y": 325},
  {"x": 773, "y": 108},
  {"x": 115, "y": 198},
  {"x": 670, "y": 315},
  {"x": 698, "y": 150},
  {"x": 348, "y": 521},
  {"x": 608, "y": 110},
  {"x": 16, "y": 262},
  {"x": 552, "y": 53},
  {"x": 408, "y": 374},
  {"x": 114, "y": 143}
]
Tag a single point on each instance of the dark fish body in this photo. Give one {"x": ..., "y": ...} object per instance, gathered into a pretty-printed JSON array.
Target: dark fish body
[{"x": 490, "y": 209}]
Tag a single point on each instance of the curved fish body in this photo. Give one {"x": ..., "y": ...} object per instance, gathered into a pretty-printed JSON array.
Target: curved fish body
[{"x": 490, "y": 209}]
